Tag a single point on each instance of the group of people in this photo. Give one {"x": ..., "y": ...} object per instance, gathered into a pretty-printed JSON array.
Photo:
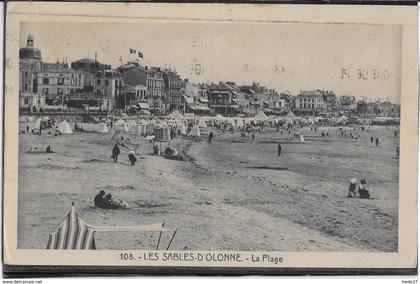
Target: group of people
[
  {"x": 116, "y": 152},
  {"x": 374, "y": 139},
  {"x": 106, "y": 201},
  {"x": 362, "y": 192}
]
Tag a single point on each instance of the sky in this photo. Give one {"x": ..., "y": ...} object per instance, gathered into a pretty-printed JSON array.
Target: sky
[{"x": 355, "y": 60}]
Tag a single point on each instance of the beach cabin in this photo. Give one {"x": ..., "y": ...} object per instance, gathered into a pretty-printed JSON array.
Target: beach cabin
[{"x": 298, "y": 137}]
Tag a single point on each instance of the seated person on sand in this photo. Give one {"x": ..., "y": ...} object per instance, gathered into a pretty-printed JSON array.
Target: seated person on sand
[
  {"x": 32, "y": 149},
  {"x": 363, "y": 192},
  {"x": 171, "y": 152},
  {"x": 106, "y": 202},
  {"x": 352, "y": 188},
  {"x": 100, "y": 199},
  {"x": 48, "y": 150},
  {"x": 115, "y": 204}
]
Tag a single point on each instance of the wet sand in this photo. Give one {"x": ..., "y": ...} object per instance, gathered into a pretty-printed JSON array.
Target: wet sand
[{"x": 232, "y": 194}]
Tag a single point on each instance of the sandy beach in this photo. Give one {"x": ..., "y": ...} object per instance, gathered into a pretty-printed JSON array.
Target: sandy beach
[{"x": 232, "y": 194}]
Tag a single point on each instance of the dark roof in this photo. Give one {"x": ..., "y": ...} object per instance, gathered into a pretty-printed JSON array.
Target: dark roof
[
  {"x": 219, "y": 87},
  {"x": 29, "y": 52},
  {"x": 85, "y": 60},
  {"x": 135, "y": 76},
  {"x": 310, "y": 93}
]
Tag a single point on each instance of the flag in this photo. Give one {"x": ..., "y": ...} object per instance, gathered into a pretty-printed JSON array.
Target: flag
[
  {"x": 140, "y": 54},
  {"x": 72, "y": 233}
]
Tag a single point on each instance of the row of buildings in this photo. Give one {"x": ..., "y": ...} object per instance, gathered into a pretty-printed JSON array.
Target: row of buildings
[{"x": 89, "y": 84}]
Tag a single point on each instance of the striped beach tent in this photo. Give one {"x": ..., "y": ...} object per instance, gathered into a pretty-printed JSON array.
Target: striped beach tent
[
  {"x": 75, "y": 233},
  {"x": 72, "y": 233}
]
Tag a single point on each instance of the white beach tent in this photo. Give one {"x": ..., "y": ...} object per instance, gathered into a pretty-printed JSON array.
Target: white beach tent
[
  {"x": 181, "y": 128},
  {"x": 298, "y": 137},
  {"x": 175, "y": 115},
  {"x": 230, "y": 121},
  {"x": 239, "y": 122},
  {"x": 290, "y": 114},
  {"x": 103, "y": 128},
  {"x": 202, "y": 123},
  {"x": 260, "y": 116},
  {"x": 64, "y": 127},
  {"x": 195, "y": 131},
  {"x": 219, "y": 117},
  {"x": 37, "y": 123}
]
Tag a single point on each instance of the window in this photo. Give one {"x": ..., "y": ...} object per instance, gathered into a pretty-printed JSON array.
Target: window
[
  {"x": 26, "y": 87},
  {"x": 60, "y": 81},
  {"x": 26, "y": 74},
  {"x": 107, "y": 82},
  {"x": 60, "y": 91},
  {"x": 26, "y": 101},
  {"x": 45, "y": 81}
]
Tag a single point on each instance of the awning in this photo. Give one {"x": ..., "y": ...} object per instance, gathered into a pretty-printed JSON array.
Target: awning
[
  {"x": 203, "y": 108},
  {"x": 188, "y": 100},
  {"x": 203, "y": 100},
  {"x": 143, "y": 105}
]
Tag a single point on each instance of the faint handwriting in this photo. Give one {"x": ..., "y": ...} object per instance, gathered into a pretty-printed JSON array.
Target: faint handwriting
[
  {"x": 365, "y": 74},
  {"x": 197, "y": 68}
]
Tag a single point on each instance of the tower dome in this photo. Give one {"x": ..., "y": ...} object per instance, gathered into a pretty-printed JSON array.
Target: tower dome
[{"x": 29, "y": 52}]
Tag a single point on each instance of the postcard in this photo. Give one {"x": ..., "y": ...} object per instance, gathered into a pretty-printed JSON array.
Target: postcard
[{"x": 217, "y": 136}]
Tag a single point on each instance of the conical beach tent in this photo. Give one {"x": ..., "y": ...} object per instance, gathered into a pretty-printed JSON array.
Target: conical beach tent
[
  {"x": 64, "y": 127},
  {"x": 195, "y": 131},
  {"x": 103, "y": 128},
  {"x": 37, "y": 123},
  {"x": 175, "y": 115},
  {"x": 239, "y": 122},
  {"x": 219, "y": 117},
  {"x": 298, "y": 137},
  {"x": 260, "y": 116},
  {"x": 181, "y": 128},
  {"x": 202, "y": 123},
  {"x": 290, "y": 114}
]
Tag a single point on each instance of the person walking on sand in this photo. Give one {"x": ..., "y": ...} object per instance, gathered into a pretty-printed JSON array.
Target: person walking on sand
[
  {"x": 27, "y": 129},
  {"x": 210, "y": 137},
  {"x": 253, "y": 136},
  {"x": 377, "y": 141},
  {"x": 115, "y": 152},
  {"x": 132, "y": 157},
  {"x": 371, "y": 139},
  {"x": 279, "y": 149}
]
